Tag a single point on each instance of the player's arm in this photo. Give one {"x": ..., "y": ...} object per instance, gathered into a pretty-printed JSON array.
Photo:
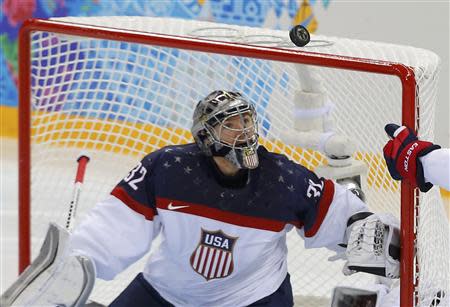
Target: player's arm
[
  {"x": 369, "y": 242},
  {"x": 328, "y": 208},
  {"x": 119, "y": 230},
  {"x": 113, "y": 236},
  {"x": 339, "y": 220},
  {"x": 436, "y": 167},
  {"x": 420, "y": 163}
]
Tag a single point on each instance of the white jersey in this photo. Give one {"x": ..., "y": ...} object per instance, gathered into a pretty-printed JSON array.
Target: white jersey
[
  {"x": 436, "y": 167},
  {"x": 222, "y": 245}
]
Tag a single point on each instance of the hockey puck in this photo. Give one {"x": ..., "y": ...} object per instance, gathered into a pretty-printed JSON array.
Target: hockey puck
[{"x": 299, "y": 35}]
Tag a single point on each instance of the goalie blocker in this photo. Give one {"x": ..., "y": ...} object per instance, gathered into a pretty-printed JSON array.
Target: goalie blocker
[{"x": 373, "y": 245}]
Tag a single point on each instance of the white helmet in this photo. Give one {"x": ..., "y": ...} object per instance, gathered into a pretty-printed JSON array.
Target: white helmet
[{"x": 210, "y": 118}]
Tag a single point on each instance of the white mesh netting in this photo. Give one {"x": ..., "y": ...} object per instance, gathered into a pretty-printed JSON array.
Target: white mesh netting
[{"x": 119, "y": 100}]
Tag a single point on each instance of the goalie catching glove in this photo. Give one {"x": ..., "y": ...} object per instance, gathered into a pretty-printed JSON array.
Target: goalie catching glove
[
  {"x": 402, "y": 155},
  {"x": 373, "y": 245}
]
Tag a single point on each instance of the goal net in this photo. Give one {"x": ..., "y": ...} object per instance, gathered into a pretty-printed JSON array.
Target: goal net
[{"x": 120, "y": 87}]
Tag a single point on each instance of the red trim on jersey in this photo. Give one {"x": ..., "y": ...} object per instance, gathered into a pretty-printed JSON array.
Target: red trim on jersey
[
  {"x": 324, "y": 204},
  {"x": 136, "y": 206},
  {"x": 223, "y": 216}
]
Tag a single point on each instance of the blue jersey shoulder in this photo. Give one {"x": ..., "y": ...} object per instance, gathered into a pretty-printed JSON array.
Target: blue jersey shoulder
[
  {"x": 280, "y": 163},
  {"x": 185, "y": 149},
  {"x": 171, "y": 154},
  {"x": 290, "y": 175},
  {"x": 158, "y": 168}
]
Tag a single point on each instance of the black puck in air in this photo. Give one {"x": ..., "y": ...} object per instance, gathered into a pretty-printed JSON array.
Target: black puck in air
[{"x": 299, "y": 35}]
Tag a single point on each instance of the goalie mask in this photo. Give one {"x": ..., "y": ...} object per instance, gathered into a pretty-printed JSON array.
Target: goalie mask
[{"x": 225, "y": 125}]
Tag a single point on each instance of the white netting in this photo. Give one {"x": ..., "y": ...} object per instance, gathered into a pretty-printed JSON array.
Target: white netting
[{"x": 119, "y": 100}]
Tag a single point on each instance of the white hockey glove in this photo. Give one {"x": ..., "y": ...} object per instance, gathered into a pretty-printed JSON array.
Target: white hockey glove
[
  {"x": 373, "y": 245},
  {"x": 54, "y": 278}
]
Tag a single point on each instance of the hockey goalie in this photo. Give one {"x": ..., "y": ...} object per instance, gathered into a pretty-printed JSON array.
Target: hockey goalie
[{"x": 222, "y": 206}]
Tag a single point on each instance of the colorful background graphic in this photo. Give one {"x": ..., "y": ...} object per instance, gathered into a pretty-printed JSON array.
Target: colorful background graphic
[
  {"x": 422, "y": 24},
  {"x": 260, "y": 13},
  {"x": 361, "y": 20}
]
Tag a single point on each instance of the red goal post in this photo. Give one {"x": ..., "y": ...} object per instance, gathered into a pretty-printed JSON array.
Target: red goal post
[{"x": 410, "y": 108}]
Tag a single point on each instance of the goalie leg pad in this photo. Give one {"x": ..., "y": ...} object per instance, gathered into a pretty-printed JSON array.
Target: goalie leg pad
[
  {"x": 53, "y": 278},
  {"x": 374, "y": 245},
  {"x": 46, "y": 257}
]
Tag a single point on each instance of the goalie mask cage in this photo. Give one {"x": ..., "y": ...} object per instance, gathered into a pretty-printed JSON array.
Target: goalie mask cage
[{"x": 120, "y": 87}]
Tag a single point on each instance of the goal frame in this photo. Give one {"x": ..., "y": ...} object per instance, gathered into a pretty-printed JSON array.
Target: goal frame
[{"x": 408, "y": 196}]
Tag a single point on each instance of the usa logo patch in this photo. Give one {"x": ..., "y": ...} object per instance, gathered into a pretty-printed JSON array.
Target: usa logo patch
[{"x": 213, "y": 257}]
